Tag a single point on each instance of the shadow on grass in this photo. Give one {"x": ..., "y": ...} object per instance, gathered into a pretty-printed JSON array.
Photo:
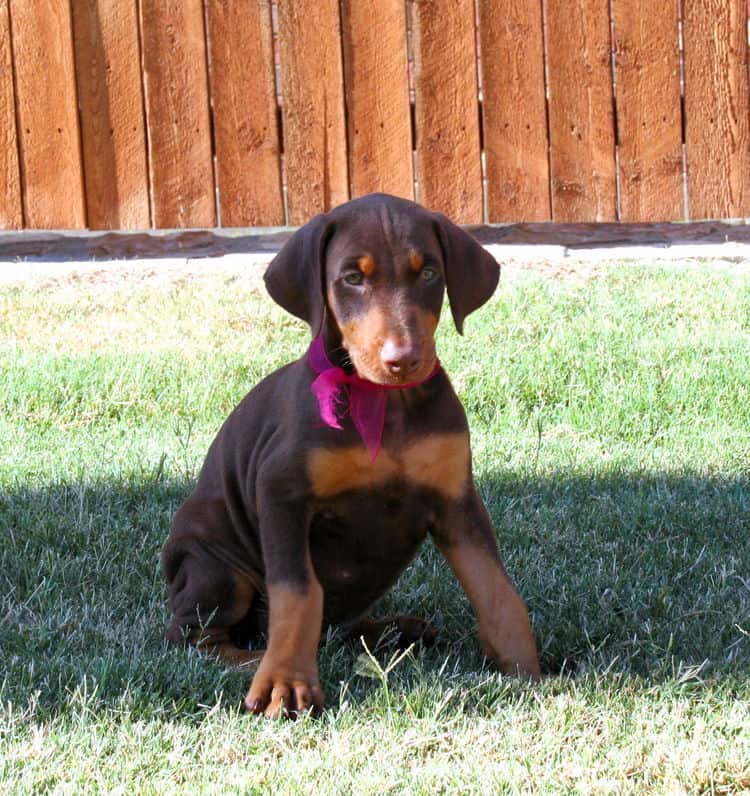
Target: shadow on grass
[{"x": 624, "y": 573}]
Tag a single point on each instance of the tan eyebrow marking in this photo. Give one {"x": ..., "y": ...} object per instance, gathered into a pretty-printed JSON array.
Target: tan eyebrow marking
[
  {"x": 366, "y": 264},
  {"x": 416, "y": 260}
]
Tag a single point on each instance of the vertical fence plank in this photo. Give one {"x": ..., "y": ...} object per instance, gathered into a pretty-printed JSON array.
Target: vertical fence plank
[
  {"x": 244, "y": 103},
  {"x": 177, "y": 113},
  {"x": 581, "y": 119},
  {"x": 11, "y": 215},
  {"x": 50, "y": 153},
  {"x": 649, "y": 123},
  {"x": 377, "y": 94},
  {"x": 515, "y": 114},
  {"x": 716, "y": 108},
  {"x": 448, "y": 159},
  {"x": 313, "y": 107},
  {"x": 110, "y": 99}
]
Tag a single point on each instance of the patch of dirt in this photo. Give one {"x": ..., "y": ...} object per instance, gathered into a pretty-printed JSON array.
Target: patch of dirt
[
  {"x": 559, "y": 265},
  {"x": 552, "y": 269},
  {"x": 116, "y": 273}
]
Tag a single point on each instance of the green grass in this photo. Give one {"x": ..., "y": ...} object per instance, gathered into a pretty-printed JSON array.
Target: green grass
[{"x": 610, "y": 421}]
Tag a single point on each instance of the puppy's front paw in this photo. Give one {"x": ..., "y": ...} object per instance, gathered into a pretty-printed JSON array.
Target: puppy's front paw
[{"x": 285, "y": 688}]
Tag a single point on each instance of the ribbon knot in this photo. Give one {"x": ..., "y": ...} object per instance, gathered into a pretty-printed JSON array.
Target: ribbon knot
[{"x": 336, "y": 391}]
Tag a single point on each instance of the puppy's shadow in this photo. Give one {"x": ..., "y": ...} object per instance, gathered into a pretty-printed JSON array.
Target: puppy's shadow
[{"x": 634, "y": 574}]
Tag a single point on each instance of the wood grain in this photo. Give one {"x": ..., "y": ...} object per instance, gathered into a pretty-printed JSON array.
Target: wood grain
[
  {"x": 649, "y": 119},
  {"x": 177, "y": 113},
  {"x": 110, "y": 99},
  {"x": 448, "y": 157},
  {"x": 377, "y": 97},
  {"x": 314, "y": 124},
  {"x": 581, "y": 119},
  {"x": 515, "y": 114},
  {"x": 11, "y": 214},
  {"x": 716, "y": 108},
  {"x": 245, "y": 118},
  {"x": 47, "y": 114}
]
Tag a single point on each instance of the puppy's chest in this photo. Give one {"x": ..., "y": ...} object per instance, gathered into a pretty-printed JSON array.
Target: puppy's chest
[
  {"x": 370, "y": 517},
  {"x": 439, "y": 464}
]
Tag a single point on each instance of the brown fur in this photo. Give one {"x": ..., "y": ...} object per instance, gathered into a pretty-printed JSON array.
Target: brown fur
[{"x": 292, "y": 526}]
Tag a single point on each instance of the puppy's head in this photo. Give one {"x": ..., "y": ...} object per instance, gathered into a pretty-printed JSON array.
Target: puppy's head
[{"x": 373, "y": 271}]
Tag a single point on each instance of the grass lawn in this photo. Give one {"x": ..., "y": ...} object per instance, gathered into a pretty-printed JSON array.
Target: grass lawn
[{"x": 610, "y": 416}]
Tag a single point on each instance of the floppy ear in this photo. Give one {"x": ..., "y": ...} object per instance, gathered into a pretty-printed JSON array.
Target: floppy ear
[
  {"x": 471, "y": 272},
  {"x": 295, "y": 278}
]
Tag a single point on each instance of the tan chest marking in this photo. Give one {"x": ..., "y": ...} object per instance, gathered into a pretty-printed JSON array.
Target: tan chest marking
[{"x": 439, "y": 462}]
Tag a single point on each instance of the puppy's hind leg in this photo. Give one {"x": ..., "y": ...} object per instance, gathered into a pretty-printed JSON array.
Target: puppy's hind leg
[{"x": 208, "y": 597}]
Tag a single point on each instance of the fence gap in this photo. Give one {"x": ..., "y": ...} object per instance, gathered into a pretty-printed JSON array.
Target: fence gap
[
  {"x": 683, "y": 120},
  {"x": 279, "y": 101},
  {"x": 144, "y": 112}
]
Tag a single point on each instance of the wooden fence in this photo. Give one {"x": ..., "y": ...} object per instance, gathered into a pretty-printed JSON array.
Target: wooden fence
[{"x": 128, "y": 114}]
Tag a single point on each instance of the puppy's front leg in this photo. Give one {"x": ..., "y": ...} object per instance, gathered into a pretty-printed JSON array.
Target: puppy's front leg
[
  {"x": 470, "y": 547},
  {"x": 286, "y": 681}
]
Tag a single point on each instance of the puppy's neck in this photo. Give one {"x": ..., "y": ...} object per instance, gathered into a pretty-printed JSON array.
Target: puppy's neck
[{"x": 337, "y": 354}]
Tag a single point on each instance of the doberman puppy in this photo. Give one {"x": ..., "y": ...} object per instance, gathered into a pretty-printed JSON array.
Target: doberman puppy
[{"x": 308, "y": 506}]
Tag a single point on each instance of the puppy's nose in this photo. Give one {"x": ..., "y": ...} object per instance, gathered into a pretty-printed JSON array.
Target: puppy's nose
[{"x": 399, "y": 358}]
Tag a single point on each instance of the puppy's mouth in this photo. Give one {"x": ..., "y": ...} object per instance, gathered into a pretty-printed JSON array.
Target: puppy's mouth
[{"x": 370, "y": 366}]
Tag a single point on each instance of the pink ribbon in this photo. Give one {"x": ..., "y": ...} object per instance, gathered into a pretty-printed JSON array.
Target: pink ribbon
[{"x": 366, "y": 400}]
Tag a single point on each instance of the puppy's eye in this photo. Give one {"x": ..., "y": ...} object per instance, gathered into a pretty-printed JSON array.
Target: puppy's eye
[
  {"x": 429, "y": 274},
  {"x": 354, "y": 278}
]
